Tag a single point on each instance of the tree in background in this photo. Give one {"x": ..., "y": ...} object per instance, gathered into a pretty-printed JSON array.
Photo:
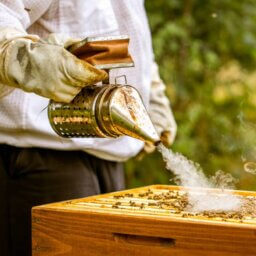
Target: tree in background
[{"x": 206, "y": 51}]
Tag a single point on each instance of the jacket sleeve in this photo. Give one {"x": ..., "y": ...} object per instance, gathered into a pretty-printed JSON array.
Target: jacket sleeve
[
  {"x": 16, "y": 17},
  {"x": 159, "y": 106}
]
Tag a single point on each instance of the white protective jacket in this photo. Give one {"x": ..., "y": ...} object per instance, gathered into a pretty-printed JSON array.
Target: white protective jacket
[{"x": 23, "y": 116}]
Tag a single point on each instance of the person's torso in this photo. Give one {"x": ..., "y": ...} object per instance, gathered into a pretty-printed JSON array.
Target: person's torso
[{"x": 24, "y": 120}]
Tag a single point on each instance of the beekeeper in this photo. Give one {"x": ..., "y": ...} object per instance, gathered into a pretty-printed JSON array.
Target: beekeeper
[{"x": 37, "y": 166}]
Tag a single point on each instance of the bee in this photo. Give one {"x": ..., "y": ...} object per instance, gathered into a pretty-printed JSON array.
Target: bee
[
  {"x": 129, "y": 194},
  {"x": 116, "y": 205},
  {"x": 132, "y": 203},
  {"x": 118, "y": 196}
]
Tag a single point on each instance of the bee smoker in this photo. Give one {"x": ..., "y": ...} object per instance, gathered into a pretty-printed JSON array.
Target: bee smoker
[{"x": 107, "y": 110}]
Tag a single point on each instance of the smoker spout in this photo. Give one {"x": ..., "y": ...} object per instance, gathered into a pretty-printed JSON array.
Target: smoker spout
[{"x": 129, "y": 115}]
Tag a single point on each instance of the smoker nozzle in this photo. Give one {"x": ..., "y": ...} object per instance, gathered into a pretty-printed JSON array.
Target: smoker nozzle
[{"x": 129, "y": 116}]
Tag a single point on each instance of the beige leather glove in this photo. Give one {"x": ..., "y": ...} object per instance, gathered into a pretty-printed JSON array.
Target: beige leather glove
[
  {"x": 160, "y": 113},
  {"x": 45, "y": 68}
]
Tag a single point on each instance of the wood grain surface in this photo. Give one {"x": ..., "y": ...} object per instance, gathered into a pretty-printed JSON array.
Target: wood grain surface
[{"x": 91, "y": 226}]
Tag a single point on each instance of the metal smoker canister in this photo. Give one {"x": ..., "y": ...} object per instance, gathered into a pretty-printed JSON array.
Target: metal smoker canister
[{"x": 103, "y": 111}]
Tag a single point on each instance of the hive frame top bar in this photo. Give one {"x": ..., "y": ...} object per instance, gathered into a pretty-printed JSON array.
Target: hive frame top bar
[{"x": 95, "y": 205}]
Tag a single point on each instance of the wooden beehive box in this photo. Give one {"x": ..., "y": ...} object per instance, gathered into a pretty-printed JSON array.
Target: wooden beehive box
[{"x": 143, "y": 221}]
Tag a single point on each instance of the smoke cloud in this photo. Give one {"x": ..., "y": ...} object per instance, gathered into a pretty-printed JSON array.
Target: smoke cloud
[{"x": 190, "y": 174}]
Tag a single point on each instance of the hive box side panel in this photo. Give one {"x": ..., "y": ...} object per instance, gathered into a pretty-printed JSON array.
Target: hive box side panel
[{"x": 68, "y": 233}]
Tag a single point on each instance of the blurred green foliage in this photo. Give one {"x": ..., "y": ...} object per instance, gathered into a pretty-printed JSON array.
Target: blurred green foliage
[{"x": 206, "y": 51}]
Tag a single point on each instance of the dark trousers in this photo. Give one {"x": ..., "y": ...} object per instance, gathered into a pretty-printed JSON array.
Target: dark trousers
[{"x": 30, "y": 177}]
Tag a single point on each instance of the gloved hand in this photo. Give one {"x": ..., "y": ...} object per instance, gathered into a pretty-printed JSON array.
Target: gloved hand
[
  {"x": 160, "y": 113},
  {"x": 45, "y": 68}
]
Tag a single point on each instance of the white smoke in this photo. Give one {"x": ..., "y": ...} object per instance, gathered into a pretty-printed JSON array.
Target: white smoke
[{"x": 190, "y": 174}]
